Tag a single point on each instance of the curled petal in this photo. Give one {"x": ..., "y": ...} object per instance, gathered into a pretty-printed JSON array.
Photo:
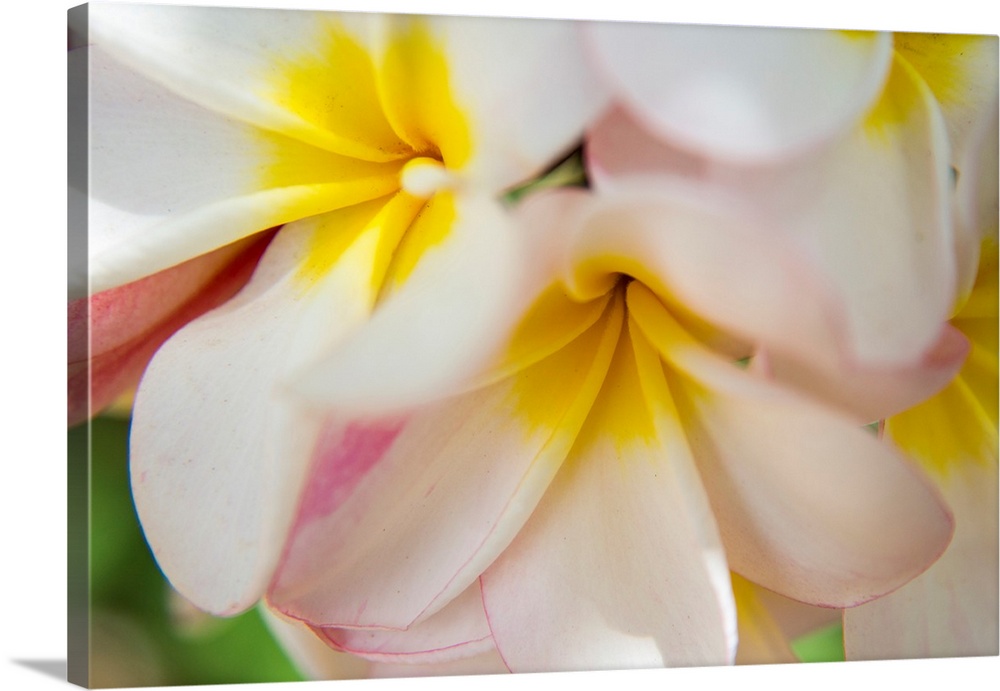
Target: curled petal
[
  {"x": 796, "y": 487},
  {"x": 961, "y": 72},
  {"x": 693, "y": 247},
  {"x": 867, "y": 218},
  {"x": 226, "y": 489},
  {"x": 622, "y": 553},
  {"x": 457, "y": 631},
  {"x": 951, "y": 610}
]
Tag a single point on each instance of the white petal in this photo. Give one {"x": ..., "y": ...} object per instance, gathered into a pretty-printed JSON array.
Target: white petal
[
  {"x": 171, "y": 180},
  {"x": 622, "y": 555},
  {"x": 457, "y": 631},
  {"x": 716, "y": 89},
  {"x": 218, "y": 455},
  {"x": 809, "y": 504},
  {"x": 951, "y": 610}
]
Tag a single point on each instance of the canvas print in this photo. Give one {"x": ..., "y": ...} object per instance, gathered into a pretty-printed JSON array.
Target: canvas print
[{"x": 407, "y": 345}]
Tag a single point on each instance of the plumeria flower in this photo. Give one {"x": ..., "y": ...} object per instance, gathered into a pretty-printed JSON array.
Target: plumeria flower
[
  {"x": 342, "y": 440},
  {"x": 848, "y": 157},
  {"x": 378, "y": 145},
  {"x": 582, "y": 508},
  {"x": 415, "y": 119},
  {"x": 952, "y": 609}
]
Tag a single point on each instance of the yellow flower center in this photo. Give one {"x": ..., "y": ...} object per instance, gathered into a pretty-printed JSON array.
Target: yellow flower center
[{"x": 377, "y": 149}]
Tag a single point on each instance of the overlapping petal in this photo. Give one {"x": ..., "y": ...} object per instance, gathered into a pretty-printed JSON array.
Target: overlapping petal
[
  {"x": 369, "y": 457},
  {"x": 241, "y": 461},
  {"x": 869, "y": 392},
  {"x": 404, "y": 513},
  {"x": 870, "y": 213},
  {"x": 622, "y": 554},
  {"x": 761, "y": 639},
  {"x": 797, "y": 488},
  {"x": 439, "y": 322},
  {"x": 457, "y": 631},
  {"x": 951, "y": 610},
  {"x": 216, "y": 179},
  {"x": 113, "y": 334},
  {"x": 696, "y": 247}
]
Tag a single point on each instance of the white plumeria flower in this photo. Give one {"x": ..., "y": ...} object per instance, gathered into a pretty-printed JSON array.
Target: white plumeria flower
[
  {"x": 380, "y": 146},
  {"x": 608, "y": 473}
]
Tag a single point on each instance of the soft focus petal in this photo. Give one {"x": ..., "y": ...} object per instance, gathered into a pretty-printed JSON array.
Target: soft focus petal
[
  {"x": 402, "y": 514},
  {"x": 214, "y": 181},
  {"x": 761, "y": 640},
  {"x": 225, "y": 489},
  {"x": 951, "y": 610},
  {"x": 867, "y": 217},
  {"x": 455, "y": 303},
  {"x": 798, "y": 490},
  {"x": 113, "y": 335},
  {"x": 618, "y": 146},
  {"x": 714, "y": 89},
  {"x": 458, "y": 631},
  {"x": 622, "y": 554},
  {"x": 880, "y": 224}
]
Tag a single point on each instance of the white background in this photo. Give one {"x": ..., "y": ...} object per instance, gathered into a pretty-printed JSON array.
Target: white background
[{"x": 32, "y": 268}]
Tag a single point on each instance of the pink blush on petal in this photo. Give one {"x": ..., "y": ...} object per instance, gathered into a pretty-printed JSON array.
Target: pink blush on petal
[{"x": 343, "y": 457}]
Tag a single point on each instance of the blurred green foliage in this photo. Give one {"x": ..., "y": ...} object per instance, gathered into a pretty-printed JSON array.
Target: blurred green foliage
[
  {"x": 824, "y": 645},
  {"x": 142, "y": 633}
]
